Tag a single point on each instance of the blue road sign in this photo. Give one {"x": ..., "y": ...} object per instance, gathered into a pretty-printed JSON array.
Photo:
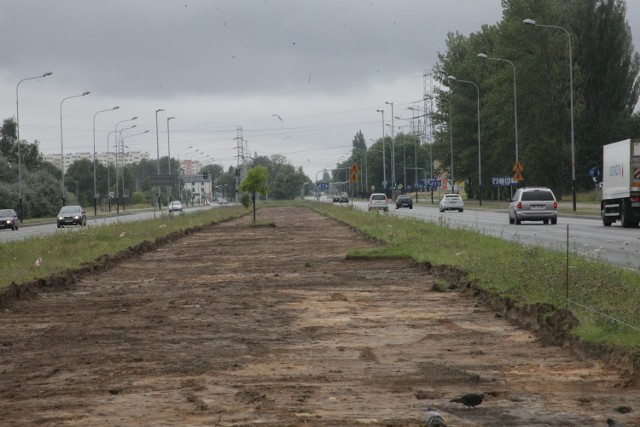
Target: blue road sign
[
  {"x": 498, "y": 181},
  {"x": 322, "y": 185}
]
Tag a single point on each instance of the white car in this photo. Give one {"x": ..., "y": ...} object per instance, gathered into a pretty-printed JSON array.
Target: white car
[
  {"x": 175, "y": 206},
  {"x": 451, "y": 202},
  {"x": 378, "y": 201}
]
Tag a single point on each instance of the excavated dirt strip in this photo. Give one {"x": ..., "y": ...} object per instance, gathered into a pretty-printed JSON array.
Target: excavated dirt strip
[{"x": 272, "y": 326}]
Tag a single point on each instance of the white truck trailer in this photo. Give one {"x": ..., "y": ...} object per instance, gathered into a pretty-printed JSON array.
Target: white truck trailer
[{"x": 621, "y": 183}]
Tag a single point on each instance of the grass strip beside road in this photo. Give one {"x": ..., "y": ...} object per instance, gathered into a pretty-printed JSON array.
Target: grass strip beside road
[
  {"x": 38, "y": 257},
  {"x": 525, "y": 274}
]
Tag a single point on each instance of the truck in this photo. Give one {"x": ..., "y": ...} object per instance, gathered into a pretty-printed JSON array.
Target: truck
[{"x": 621, "y": 183}]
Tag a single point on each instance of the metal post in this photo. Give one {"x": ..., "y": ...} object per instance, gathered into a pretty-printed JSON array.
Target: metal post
[
  {"x": 95, "y": 189},
  {"x": 169, "y": 154},
  {"x": 479, "y": 152},
  {"x": 62, "y": 144},
  {"x": 158, "y": 157},
  {"x": 533, "y": 23},
  {"x": 48, "y": 73}
]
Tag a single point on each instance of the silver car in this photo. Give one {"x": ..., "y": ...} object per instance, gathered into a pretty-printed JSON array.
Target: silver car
[
  {"x": 378, "y": 201},
  {"x": 451, "y": 202},
  {"x": 533, "y": 204},
  {"x": 175, "y": 206}
]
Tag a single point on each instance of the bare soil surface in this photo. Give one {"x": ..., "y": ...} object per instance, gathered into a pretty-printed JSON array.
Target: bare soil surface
[{"x": 237, "y": 325}]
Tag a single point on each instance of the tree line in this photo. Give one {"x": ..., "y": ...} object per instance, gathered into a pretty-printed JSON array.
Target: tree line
[
  {"x": 604, "y": 80},
  {"x": 43, "y": 189}
]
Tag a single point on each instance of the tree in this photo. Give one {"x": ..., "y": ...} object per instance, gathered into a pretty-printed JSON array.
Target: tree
[
  {"x": 605, "y": 85},
  {"x": 255, "y": 182}
]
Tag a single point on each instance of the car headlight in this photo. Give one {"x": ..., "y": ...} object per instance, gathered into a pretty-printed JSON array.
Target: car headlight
[{"x": 60, "y": 218}]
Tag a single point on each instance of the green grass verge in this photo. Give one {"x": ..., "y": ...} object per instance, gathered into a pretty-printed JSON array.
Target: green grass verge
[
  {"x": 523, "y": 273},
  {"x": 66, "y": 249}
]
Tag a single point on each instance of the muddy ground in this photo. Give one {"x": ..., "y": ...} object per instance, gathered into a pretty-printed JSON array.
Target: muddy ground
[{"x": 273, "y": 326}]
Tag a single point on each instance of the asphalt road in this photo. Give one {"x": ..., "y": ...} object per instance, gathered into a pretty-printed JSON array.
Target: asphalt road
[
  {"x": 587, "y": 236},
  {"x": 50, "y": 227}
]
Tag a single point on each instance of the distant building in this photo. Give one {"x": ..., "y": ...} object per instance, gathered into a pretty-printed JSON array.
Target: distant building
[
  {"x": 130, "y": 157},
  {"x": 190, "y": 167}
]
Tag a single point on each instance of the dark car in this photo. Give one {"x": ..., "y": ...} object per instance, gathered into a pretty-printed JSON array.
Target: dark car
[
  {"x": 71, "y": 215},
  {"x": 336, "y": 198},
  {"x": 8, "y": 219},
  {"x": 404, "y": 201}
]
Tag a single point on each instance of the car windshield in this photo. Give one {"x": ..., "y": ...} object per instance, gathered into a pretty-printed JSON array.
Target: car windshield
[
  {"x": 537, "y": 195},
  {"x": 378, "y": 197},
  {"x": 70, "y": 209},
  {"x": 6, "y": 212},
  {"x": 452, "y": 196}
]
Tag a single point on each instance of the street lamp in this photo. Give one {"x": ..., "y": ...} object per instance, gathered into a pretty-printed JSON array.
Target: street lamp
[
  {"x": 116, "y": 165},
  {"x": 122, "y": 138},
  {"x": 116, "y": 162},
  {"x": 451, "y": 78},
  {"x": 453, "y": 181},
  {"x": 515, "y": 101},
  {"x": 384, "y": 163},
  {"x": 404, "y": 156},
  {"x": 48, "y": 73},
  {"x": 169, "y": 153},
  {"x": 158, "y": 154},
  {"x": 415, "y": 147},
  {"x": 95, "y": 190},
  {"x": 85, "y": 93},
  {"x": 532, "y": 23},
  {"x": 393, "y": 154}
]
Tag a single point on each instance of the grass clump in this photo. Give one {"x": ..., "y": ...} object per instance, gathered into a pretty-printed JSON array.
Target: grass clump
[
  {"x": 603, "y": 297},
  {"x": 24, "y": 260}
]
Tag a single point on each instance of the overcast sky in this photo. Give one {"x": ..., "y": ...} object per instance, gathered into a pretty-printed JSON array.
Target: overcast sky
[{"x": 300, "y": 76}]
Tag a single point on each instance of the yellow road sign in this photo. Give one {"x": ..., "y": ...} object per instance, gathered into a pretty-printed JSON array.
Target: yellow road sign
[
  {"x": 353, "y": 177},
  {"x": 517, "y": 167},
  {"x": 517, "y": 176},
  {"x": 354, "y": 168}
]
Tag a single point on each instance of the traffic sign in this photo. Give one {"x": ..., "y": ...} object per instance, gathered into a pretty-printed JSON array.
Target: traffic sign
[
  {"x": 517, "y": 167},
  {"x": 517, "y": 176},
  {"x": 322, "y": 186},
  {"x": 384, "y": 183},
  {"x": 353, "y": 177},
  {"x": 498, "y": 181},
  {"x": 354, "y": 168},
  {"x": 434, "y": 183}
]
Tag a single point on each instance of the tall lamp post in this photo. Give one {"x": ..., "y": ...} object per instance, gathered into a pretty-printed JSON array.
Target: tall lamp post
[
  {"x": 95, "y": 189},
  {"x": 393, "y": 154},
  {"x": 158, "y": 155},
  {"x": 532, "y": 23},
  {"x": 451, "y": 78},
  {"x": 116, "y": 147},
  {"x": 48, "y": 73},
  {"x": 169, "y": 154},
  {"x": 122, "y": 138},
  {"x": 85, "y": 93},
  {"x": 515, "y": 98},
  {"x": 384, "y": 162}
]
